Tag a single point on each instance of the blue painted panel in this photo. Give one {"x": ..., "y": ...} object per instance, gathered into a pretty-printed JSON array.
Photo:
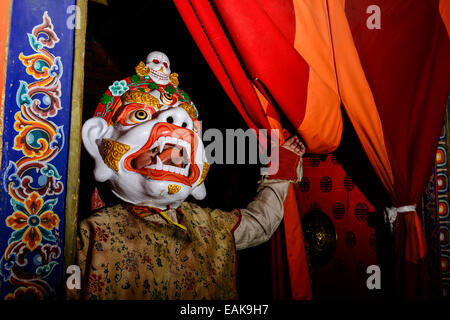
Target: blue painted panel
[{"x": 35, "y": 148}]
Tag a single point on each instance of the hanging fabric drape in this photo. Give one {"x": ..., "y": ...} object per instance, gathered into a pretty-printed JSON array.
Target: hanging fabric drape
[
  {"x": 251, "y": 96},
  {"x": 406, "y": 63},
  {"x": 384, "y": 61}
]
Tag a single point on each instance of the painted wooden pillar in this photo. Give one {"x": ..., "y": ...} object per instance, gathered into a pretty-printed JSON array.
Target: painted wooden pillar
[{"x": 37, "y": 42}]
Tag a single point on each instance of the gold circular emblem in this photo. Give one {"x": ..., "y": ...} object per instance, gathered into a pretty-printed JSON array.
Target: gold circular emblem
[{"x": 321, "y": 236}]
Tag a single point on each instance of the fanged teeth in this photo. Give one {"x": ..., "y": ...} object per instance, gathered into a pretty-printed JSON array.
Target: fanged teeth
[
  {"x": 161, "y": 142},
  {"x": 186, "y": 170},
  {"x": 159, "y": 164}
]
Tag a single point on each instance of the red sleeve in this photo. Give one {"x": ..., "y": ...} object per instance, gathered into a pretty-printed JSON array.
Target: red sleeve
[{"x": 287, "y": 166}]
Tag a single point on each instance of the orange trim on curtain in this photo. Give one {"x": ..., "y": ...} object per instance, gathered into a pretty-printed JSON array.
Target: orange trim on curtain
[
  {"x": 359, "y": 103},
  {"x": 274, "y": 120},
  {"x": 444, "y": 10},
  {"x": 336, "y": 73},
  {"x": 294, "y": 244},
  {"x": 356, "y": 95},
  {"x": 323, "y": 32},
  {"x": 321, "y": 128}
]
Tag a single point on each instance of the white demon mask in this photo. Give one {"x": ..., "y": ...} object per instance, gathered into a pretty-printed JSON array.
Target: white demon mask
[
  {"x": 159, "y": 66},
  {"x": 147, "y": 150}
]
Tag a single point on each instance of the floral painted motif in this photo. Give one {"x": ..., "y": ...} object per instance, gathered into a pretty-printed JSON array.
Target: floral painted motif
[
  {"x": 32, "y": 182},
  {"x": 118, "y": 88},
  {"x": 146, "y": 258},
  {"x": 33, "y": 220},
  {"x": 25, "y": 293}
]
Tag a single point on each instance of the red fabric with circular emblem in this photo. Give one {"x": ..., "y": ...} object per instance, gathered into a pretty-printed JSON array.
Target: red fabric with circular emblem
[{"x": 326, "y": 186}]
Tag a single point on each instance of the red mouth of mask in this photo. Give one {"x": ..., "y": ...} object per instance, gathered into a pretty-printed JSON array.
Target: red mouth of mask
[{"x": 168, "y": 155}]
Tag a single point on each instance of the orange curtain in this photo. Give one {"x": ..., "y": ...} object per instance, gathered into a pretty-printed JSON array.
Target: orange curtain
[{"x": 301, "y": 60}]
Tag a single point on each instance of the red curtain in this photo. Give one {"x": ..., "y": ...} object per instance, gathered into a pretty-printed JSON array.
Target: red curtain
[
  {"x": 406, "y": 63},
  {"x": 326, "y": 186},
  {"x": 250, "y": 95},
  {"x": 383, "y": 60}
]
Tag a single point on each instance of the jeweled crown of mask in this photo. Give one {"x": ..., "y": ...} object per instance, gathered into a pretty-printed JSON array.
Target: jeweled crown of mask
[{"x": 136, "y": 88}]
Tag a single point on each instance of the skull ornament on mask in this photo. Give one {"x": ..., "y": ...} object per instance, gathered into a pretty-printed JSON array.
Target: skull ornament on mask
[
  {"x": 148, "y": 149},
  {"x": 159, "y": 66}
]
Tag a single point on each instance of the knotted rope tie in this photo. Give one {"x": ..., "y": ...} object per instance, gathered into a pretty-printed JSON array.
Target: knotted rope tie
[{"x": 390, "y": 214}]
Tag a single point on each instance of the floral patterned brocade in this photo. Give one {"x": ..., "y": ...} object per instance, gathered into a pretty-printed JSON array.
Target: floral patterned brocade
[{"x": 128, "y": 256}]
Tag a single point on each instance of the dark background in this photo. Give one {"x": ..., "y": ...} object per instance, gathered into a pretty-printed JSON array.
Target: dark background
[{"x": 118, "y": 37}]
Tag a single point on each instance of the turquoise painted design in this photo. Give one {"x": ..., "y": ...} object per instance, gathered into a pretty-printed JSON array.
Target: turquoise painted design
[{"x": 34, "y": 159}]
